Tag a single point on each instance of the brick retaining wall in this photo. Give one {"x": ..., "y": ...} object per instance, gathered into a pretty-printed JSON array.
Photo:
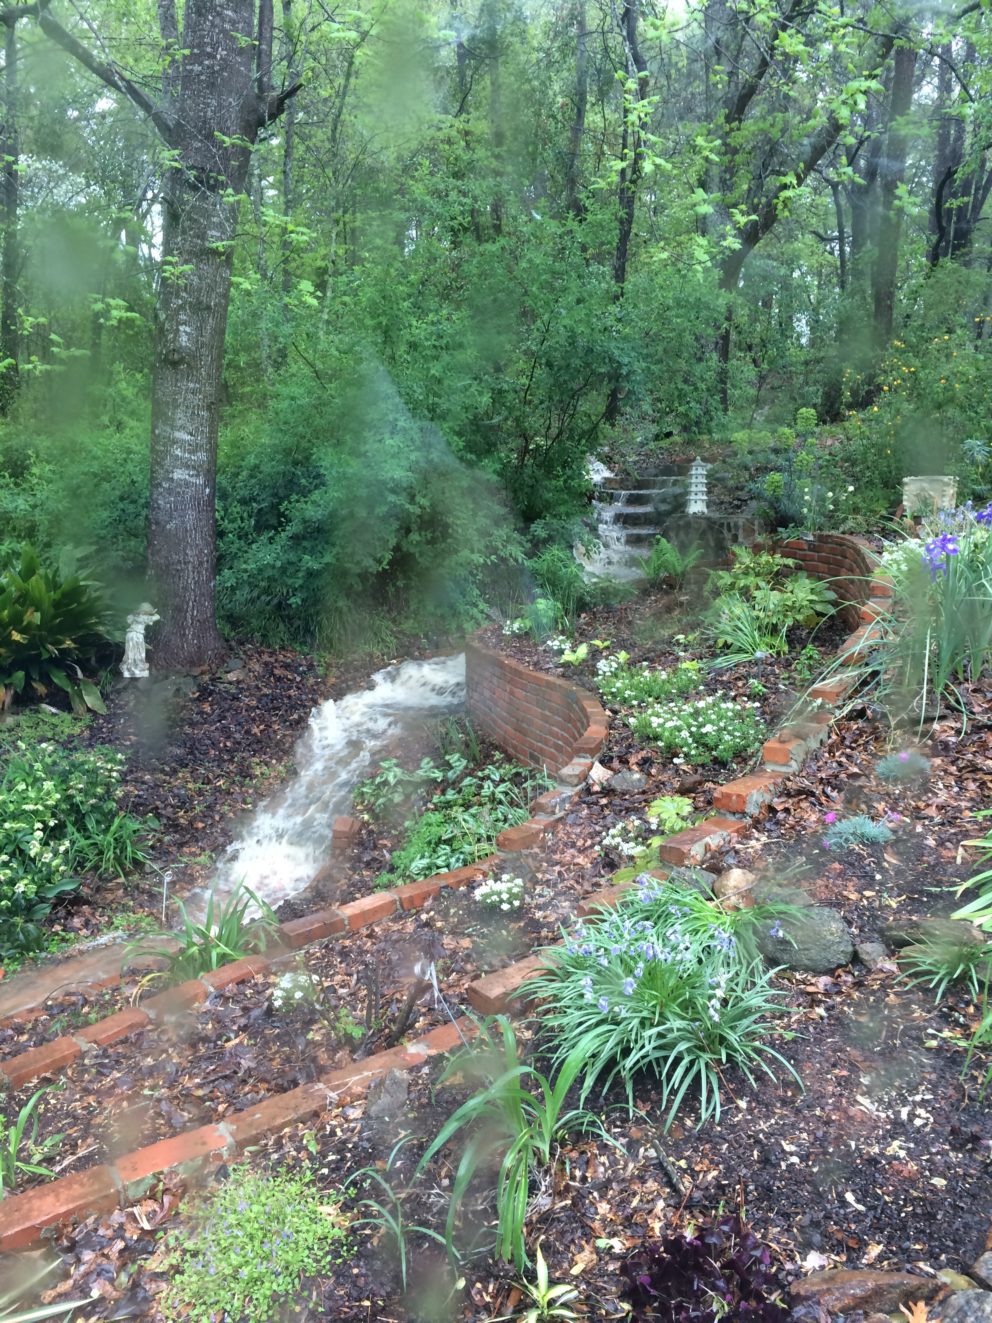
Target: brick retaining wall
[
  {"x": 847, "y": 561},
  {"x": 541, "y": 720}
]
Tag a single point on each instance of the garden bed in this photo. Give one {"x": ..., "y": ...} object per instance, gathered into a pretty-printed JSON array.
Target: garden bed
[{"x": 236, "y": 1048}]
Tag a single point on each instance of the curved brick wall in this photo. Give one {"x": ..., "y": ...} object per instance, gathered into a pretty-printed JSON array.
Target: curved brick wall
[
  {"x": 846, "y": 560},
  {"x": 541, "y": 720}
]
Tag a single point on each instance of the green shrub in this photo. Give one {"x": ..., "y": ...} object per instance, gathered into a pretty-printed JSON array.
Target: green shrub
[
  {"x": 559, "y": 580},
  {"x": 711, "y": 729},
  {"x": 50, "y": 628},
  {"x": 515, "y": 1120},
  {"x": 664, "y": 984},
  {"x": 20, "y": 1150},
  {"x": 979, "y": 910},
  {"x": 59, "y": 817},
  {"x": 461, "y": 822},
  {"x": 905, "y": 766},
  {"x": 937, "y": 965},
  {"x": 668, "y": 562},
  {"x": 806, "y": 421},
  {"x": 759, "y": 602},
  {"x": 227, "y": 932},
  {"x": 843, "y": 833},
  {"x": 938, "y": 633},
  {"x": 248, "y": 1245}
]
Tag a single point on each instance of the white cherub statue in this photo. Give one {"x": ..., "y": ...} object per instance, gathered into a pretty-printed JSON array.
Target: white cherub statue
[{"x": 135, "y": 666}]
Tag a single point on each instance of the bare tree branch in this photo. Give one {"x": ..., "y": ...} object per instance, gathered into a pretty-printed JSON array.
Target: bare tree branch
[{"x": 108, "y": 73}]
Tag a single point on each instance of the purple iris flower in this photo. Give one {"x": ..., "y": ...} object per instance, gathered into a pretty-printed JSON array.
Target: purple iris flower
[{"x": 938, "y": 551}]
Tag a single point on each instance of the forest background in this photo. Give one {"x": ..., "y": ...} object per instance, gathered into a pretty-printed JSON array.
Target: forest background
[{"x": 468, "y": 248}]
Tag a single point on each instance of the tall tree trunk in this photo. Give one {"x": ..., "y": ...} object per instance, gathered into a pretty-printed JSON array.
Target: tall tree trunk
[
  {"x": 9, "y": 224},
  {"x": 631, "y": 168},
  {"x": 216, "y": 95},
  {"x": 573, "y": 203},
  {"x": 288, "y": 145},
  {"x": 891, "y": 171}
]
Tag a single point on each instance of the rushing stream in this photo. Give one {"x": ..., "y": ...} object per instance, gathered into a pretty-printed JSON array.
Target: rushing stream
[{"x": 288, "y": 837}]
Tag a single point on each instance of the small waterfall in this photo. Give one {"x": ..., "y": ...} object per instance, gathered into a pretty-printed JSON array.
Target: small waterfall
[
  {"x": 630, "y": 513},
  {"x": 288, "y": 837}
]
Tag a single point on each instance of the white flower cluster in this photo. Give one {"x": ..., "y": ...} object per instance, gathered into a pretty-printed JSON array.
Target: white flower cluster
[
  {"x": 297, "y": 989},
  {"x": 625, "y": 838},
  {"x": 901, "y": 559},
  {"x": 559, "y": 643},
  {"x": 501, "y": 893},
  {"x": 610, "y": 663},
  {"x": 518, "y": 626},
  {"x": 708, "y": 729}
]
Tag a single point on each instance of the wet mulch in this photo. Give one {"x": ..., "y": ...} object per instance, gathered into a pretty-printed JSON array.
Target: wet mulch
[
  {"x": 884, "y": 1161},
  {"x": 378, "y": 987}
]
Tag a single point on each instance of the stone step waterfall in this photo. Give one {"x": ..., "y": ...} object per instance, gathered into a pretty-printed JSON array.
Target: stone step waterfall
[{"x": 630, "y": 513}]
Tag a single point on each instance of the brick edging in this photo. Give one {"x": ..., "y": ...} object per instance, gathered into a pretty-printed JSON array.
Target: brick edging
[{"x": 738, "y": 802}]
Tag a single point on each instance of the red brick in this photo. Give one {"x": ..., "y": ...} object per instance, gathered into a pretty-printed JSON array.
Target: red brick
[
  {"x": 114, "y": 1028},
  {"x": 168, "y": 1154},
  {"x": 469, "y": 873},
  {"x": 833, "y": 691},
  {"x": 48, "y": 1059},
  {"x": 446, "y": 1038},
  {"x": 732, "y": 826},
  {"x": 747, "y": 794},
  {"x": 415, "y": 895},
  {"x": 174, "y": 1001},
  {"x": 23, "y": 1217},
  {"x": 881, "y": 586},
  {"x": 601, "y": 900},
  {"x": 694, "y": 843},
  {"x": 345, "y": 831},
  {"x": 369, "y": 909},
  {"x": 238, "y": 971},
  {"x": 873, "y": 609},
  {"x": 525, "y": 837},
  {"x": 495, "y": 993},
  {"x": 575, "y": 771},
  {"x": 312, "y": 928},
  {"x": 274, "y": 1114},
  {"x": 784, "y": 753}
]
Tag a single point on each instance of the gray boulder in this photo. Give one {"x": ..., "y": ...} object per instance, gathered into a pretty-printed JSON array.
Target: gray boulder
[
  {"x": 815, "y": 939},
  {"x": 967, "y": 1307}
]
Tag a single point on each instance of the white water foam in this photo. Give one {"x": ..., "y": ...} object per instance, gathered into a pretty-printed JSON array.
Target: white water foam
[{"x": 288, "y": 837}]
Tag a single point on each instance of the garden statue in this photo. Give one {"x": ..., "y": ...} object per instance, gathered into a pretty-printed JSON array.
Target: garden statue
[{"x": 135, "y": 665}]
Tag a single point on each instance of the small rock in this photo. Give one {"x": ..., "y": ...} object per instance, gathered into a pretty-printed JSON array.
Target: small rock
[
  {"x": 626, "y": 782},
  {"x": 841, "y": 1290},
  {"x": 933, "y": 932},
  {"x": 871, "y": 954},
  {"x": 816, "y": 940},
  {"x": 599, "y": 775},
  {"x": 387, "y": 1104},
  {"x": 233, "y": 664},
  {"x": 967, "y": 1307},
  {"x": 983, "y": 1268},
  {"x": 733, "y": 889}
]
